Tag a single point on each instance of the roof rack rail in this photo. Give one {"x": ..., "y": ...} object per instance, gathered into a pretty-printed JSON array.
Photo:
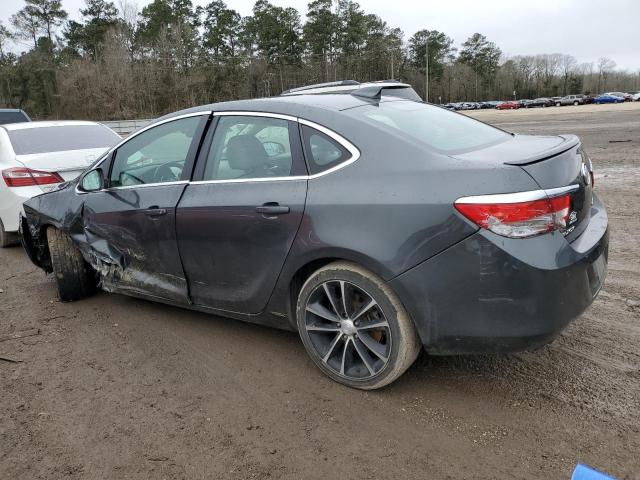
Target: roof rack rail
[
  {"x": 341, "y": 83},
  {"x": 371, "y": 90}
]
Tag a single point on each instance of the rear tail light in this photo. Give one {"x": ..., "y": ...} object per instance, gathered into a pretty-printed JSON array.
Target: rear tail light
[
  {"x": 506, "y": 216},
  {"x": 26, "y": 177}
]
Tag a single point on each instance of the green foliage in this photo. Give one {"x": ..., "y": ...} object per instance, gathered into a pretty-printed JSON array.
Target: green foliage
[
  {"x": 275, "y": 32},
  {"x": 222, "y": 28},
  {"x": 321, "y": 29},
  {"x": 115, "y": 64},
  {"x": 480, "y": 54},
  {"x": 441, "y": 51},
  {"x": 88, "y": 36},
  {"x": 173, "y": 19}
]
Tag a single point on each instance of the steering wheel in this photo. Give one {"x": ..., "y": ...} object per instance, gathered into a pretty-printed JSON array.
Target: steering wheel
[{"x": 164, "y": 173}]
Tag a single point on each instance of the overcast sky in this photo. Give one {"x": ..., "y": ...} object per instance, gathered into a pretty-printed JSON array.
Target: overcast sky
[{"x": 587, "y": 29}]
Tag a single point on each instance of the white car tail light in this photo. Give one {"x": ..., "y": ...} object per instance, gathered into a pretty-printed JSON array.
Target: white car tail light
[
  {"x": 519, "y": 215},
  {"x": 26, "y": 177}
]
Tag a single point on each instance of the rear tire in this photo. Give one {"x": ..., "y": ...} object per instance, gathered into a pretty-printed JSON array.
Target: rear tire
[
  {"x": 8, "y": 239},
  {"x": 74, "y": 277},
  {"x": 576, "y": 103},
  {"x": 362, "y": 337}
]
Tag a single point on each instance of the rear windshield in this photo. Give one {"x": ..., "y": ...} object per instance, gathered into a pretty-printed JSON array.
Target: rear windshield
[
  {"x": 437, "y": 127},
  {"x": 62, "y": 138},
  {"x": 12, "y": 117}
]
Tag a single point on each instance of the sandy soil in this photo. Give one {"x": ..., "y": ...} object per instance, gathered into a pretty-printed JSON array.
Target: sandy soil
[{"x": 113, "y": 387}]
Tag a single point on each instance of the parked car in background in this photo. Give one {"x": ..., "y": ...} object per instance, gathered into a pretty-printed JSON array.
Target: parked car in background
[
  {"x": 608, "y": 98},
  {"x": 523, "y": 102},
  {"x": 468, "y": 106},
  {"x": 570, "y": 100},
  {"x": 450, "y": 106},
  {"x": 508, "y": 105},
  {"x": 489, "y": 104},
  {"x": 635, "y": 96},
  {"x": 555, "y": 100},
  {"x": 625, "y": 96},
  {"x": 538, "y": 102},
  {"x": 287, "y": 212},
  {"x": 37, "y": 156},
  {"x": 13, "y": 115}
]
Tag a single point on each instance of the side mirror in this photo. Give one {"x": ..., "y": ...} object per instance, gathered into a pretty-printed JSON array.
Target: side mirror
[{"x": 92, "y": 181}]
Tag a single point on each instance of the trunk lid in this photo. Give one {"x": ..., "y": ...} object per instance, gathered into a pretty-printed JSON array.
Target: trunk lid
[
  {"x": 68, "y": 164},
  {"x": 552, "y": 162}
]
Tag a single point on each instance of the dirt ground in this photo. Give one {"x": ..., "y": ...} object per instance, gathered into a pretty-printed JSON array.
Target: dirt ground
[{"x": 113, "y": 387}]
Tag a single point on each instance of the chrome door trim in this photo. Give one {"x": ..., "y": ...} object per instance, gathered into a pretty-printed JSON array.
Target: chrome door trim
[
  {"x": 236, "y": 113},
  {"x": 518, "y": 197},
  {"x": 350, "y": 147},
  {"x": 125, "y": 140}
]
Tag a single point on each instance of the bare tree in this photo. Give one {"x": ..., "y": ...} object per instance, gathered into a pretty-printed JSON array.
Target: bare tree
[
  {"x": 568, "y": 65},
  {"x": 28, "y": 25},
  {"x": 605, "y": 66},
  {"x": 5, "y": 37}
]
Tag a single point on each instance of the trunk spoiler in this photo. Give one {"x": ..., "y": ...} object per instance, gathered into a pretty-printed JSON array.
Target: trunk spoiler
[{"x": 568, "y": 142}]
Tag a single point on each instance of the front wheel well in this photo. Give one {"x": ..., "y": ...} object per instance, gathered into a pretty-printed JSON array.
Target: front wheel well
[{"x": 41, "y": 246}]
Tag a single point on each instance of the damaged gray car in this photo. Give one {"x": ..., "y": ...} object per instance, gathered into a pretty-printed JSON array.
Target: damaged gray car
[{"x": 370, "y": 222}]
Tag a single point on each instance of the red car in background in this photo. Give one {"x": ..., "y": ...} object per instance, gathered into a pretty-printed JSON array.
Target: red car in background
[{"x": 510, "y": 105}]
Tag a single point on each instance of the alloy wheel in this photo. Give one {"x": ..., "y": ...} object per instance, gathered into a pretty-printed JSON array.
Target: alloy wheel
[{"x": 348, "y": 330}]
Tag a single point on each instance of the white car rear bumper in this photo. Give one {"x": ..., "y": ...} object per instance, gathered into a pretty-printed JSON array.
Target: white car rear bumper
[{"x": 11, "y": 200}]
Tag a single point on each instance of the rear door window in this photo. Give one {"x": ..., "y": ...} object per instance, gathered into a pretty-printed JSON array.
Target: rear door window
[{"x": 251, "y": 147}]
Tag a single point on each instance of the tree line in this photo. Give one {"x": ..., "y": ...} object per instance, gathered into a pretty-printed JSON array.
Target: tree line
[{"x": 117, "y": 62}]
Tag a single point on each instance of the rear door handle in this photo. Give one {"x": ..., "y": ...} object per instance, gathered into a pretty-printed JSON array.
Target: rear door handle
[
  {"x": 155, "y": 212},
  {"x": 272, "y": 209}
]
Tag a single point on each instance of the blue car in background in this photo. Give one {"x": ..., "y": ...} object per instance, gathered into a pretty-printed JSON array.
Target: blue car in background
[{"x": 605, "y": 98}]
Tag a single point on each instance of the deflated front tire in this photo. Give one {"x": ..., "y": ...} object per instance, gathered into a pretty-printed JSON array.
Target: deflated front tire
[{"x": 74, "y": 277}]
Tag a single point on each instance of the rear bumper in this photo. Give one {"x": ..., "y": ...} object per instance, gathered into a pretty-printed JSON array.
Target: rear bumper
[
  {"x": 493, "y": 294},
  {"x": 11, "y": 204}
]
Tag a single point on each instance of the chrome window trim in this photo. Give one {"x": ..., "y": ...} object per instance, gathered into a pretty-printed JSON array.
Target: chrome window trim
[
  {"x": 518, "y": 197},
  {"x": 235, "y": 113},
  {"x": 250, "y": 180},
  {"x": 144, "y": 185},
  {"x": 133, "y": 135},
  {"x": 350, "y": 147}
]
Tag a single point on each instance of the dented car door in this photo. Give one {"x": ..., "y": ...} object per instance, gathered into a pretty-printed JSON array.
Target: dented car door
[{"x": 130, "y": 224}]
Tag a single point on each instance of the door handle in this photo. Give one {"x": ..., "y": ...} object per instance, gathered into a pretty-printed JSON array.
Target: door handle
[
  {"x": 155, "y": 212},
  {"x": 272, "y": 209}
]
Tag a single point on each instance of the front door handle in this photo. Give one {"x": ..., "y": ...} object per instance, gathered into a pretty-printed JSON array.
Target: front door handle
[
  {"x": 155, "y": 212},
  {"x": 272, "y": 209}
]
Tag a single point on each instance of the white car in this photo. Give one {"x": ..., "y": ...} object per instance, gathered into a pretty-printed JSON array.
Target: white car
[
  {"x": 635, "y": 96},
  {"x": 37, "y": 156}
]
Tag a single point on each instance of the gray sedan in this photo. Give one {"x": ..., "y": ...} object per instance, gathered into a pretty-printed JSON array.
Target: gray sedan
[{"x": 370, "y": 222}]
